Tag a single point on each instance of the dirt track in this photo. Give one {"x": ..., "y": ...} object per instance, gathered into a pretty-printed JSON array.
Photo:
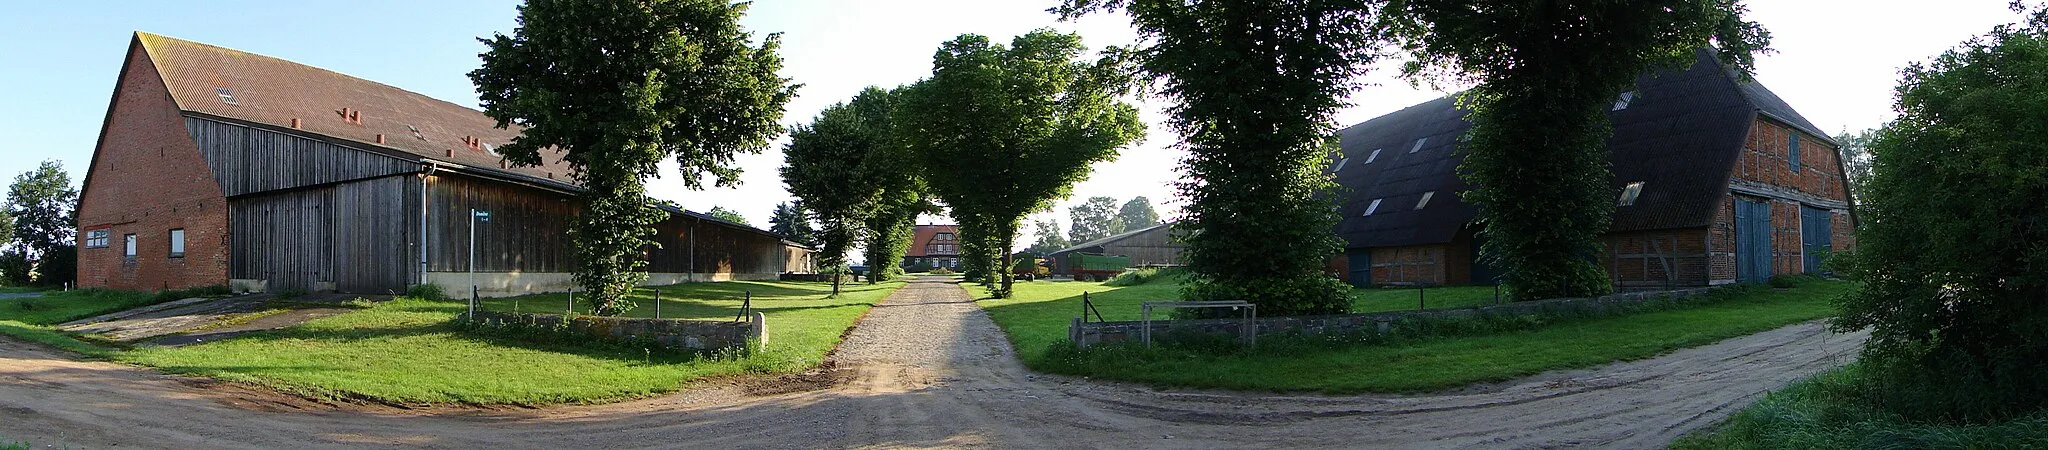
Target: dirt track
[{"x": 928, "y": 369}]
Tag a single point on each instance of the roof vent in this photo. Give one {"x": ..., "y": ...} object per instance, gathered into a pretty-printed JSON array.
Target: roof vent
[
  {"x": 473, "y": 143},
  {"x": 295, "y": 123},
  {"x": 416, "y": 132},
  {"x": 226, "y": 95},
  {"x": 380, "y": 138},
  {"x": 350, "y": 115}
]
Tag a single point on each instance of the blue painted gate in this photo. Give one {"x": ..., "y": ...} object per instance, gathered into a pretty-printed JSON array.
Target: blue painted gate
[
  {"x": 1752, "y": 240},
  {"x": 1816, "y": 230}
]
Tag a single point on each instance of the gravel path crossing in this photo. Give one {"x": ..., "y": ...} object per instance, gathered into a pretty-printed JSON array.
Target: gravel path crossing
[{"x": 926, "y": 368}]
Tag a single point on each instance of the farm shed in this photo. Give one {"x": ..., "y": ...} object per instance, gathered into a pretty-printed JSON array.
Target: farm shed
[
  {"x": 1150, "y": 246},
  {"x": 1716, "y": 180},
  {"x": 217, "y": 166}
]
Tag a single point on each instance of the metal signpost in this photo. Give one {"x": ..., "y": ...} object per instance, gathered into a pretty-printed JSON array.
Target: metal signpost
[{"x": 475, "y": 215}]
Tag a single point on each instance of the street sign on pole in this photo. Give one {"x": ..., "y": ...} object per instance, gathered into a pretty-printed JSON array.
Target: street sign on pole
[{"x": 474, "y": 216}]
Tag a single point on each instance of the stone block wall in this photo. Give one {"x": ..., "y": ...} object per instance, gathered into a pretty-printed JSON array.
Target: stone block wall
[
  {"x": 696, "y": 335},
  {"x": 1096, "y": 333}
]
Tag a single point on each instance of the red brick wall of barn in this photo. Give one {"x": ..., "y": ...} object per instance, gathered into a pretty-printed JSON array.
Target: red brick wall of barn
[
  {"x": 1659, "y": 258},
  {"x": 1765, "y": 164},
  {"x": 1416, "y": 264},
  {"x": 147, "y": 178}
]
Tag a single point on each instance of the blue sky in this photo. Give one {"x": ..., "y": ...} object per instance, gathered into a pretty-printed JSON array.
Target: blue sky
[{"x": 1837, "y": 62}]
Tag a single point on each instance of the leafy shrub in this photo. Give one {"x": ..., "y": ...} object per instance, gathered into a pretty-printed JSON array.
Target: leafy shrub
[
  {"x": 428, "y": 292},
  {"x": 1146, "y": 275},
  {"x": 1284, "y": 296},
  {"x": 15, "y": 268},
  {"x": 1952, "y": 252},
  {"x": 942, "y": 271}
]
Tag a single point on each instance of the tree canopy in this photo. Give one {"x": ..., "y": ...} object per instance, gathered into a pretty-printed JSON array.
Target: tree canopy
[
  {"x": 1049, "y": 237},
  {"x": 790, "y": 221},
  {"x": 729, "y": 215},
  {"x": 41, "y": 223},
  {"x": 1953, "y": 249},
  {"x": 1547, "y": 74},
  {"x": 618, "y": 87},
  {"x": 1254, "y": 85},
  {"x": 1004, "y": 130},
  {"x": 827, "y": 166},
  {"x": 1136, "y": 214},
  {"x": 1093, "y": 219}
]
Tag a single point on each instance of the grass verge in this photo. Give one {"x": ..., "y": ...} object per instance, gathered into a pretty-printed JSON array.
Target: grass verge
[
  {"x": 34, "y": 318},
  {"x": 408, "y": 351},
  {"x": 1828, "y": 411},
  {"x": 1439, "y": 357}
]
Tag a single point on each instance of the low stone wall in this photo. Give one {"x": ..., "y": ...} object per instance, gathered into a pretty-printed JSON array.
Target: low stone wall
[
  {"x": 508, "y": 284},
  {"x": 1095, "y": 333},
  {"x": 670, "y": 333}
]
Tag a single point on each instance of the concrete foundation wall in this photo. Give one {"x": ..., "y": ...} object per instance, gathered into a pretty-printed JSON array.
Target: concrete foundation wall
[{"x": 507, "y": 284}]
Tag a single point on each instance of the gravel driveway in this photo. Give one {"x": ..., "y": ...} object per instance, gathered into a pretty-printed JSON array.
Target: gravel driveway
[{"x": 926, "y": 368}]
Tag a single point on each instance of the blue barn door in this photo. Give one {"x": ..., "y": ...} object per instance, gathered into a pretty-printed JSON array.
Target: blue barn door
[
  {"x": 1816, "y": 231},
  {"x": 1361, "y": 266},
  {"x": 1752, "y": 240}
]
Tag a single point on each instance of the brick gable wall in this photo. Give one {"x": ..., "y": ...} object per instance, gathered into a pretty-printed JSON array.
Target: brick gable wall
[
  {"x": 1764, "y": 171},
  {"x": 147, "y": 177}
]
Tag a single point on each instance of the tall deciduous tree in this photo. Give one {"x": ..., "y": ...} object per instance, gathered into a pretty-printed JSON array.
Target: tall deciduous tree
[
  {"x": 1953, "y": 250},
  {"x": 1049, "y": 237},
  {"x": 826, "y": 167},
  {"x": 1005, "y": 130},
  {"x": 1856, "y": 160},
  {"x": 1548, "y": 73},
  {"x": 729, "y": 215},
  {"x": 1254, "y": 83},
  {"x": 790, "y": 221},
  {"x": 43, "y": 205},
  {"x": 1093, "y": 219},
  {"x": 900, "y": 191},
  {"x": 618, "y": 87},
  {"x": 1137, "y": 214}
]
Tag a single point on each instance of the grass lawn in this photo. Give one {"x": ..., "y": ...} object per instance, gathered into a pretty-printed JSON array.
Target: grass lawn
[
  {"x": 406, "y": 350},
  {"x": 32, "y": 318},
  {"x": 1825, "y": 412},
  {"x": 1036, "y": 320}
]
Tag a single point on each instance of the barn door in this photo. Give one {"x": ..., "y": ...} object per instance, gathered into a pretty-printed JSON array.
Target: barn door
[
  {"x": 1816, "y": 232},
  {"x": 1360, "y": 264},
  {"x": 1752, "y": 240}
]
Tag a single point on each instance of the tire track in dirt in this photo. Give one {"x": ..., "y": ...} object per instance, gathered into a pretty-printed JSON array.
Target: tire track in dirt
[{"x": 926, "y": 368}]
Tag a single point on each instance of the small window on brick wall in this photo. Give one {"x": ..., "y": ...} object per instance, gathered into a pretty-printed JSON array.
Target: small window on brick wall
[
  {"x": 1794, "y": 154},
  {"x": 128, "y": 245},
  {"x": 177, "y": 243},
  {"x": 97, "y": 238}
]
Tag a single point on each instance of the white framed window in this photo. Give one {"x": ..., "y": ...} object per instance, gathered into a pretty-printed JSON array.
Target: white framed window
[
  {"x": 1340, "y": 164},
  {"x": 1369, "y": 209},
  {"x": 97, "y": 238},
  {"x": 226, "y": 95},
  {"x": 1425, "y": 199},
  {"x": 1623, "y": 102},
  {"x": 128, "y": 245},
  {"x": 177, "y": 242},
  {"x": 1629, "y": 193},
  {"x": 1375, "y": 156},
  {"x": 1418, "y": 145}
]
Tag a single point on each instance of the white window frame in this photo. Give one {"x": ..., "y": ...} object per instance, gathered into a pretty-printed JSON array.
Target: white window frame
[
  {"x": 1369, "y": 209},
  {"x": 99, "y": 238},
  {"x": 1425, "y": 199},
  {"x": 1340, "y": 164},
  {"x": 1623, "y": 102},
  {"x": 177, "y": 239},
  {"x": 128, "y": 245},
  {"x": 1375, "y": 156},
  {"x": 1418, "y": 145}
]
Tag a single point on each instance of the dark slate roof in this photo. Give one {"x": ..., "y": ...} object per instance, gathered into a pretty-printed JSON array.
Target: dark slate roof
[{"x": 1681, "y": 136}]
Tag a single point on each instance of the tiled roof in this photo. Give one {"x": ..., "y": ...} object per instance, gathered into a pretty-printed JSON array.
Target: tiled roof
[
  {"x": 924, "y": 235},
  {"x": 1096, "y": 245},
  {"x": 274, "y": 92},
  {"x": 1681, "y": 135}
]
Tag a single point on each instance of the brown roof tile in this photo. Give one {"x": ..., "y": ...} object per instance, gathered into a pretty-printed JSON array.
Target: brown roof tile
[{"x": 275, "y": 92}]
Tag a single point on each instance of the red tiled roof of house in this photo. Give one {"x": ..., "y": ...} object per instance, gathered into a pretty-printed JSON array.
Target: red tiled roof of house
[
  {"x": 923, "y": 236},
  {"x": 277, "y": 92}
]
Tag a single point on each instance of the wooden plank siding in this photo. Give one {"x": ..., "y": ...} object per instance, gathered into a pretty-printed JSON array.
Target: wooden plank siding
[
  {"x": 249, "y": 160},
  {"x": 528, "y": 231},
  {"x": 355, "y": 235}
]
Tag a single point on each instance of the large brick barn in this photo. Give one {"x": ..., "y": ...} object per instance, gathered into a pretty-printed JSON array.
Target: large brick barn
[
  {"x": 1716, "y": 180},
  {"x": 216, "y": 166}
]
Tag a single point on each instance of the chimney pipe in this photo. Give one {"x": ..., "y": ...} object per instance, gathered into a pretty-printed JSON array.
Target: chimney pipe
[
  {"x": 295, "y": 123},
  {"x": 380, "y": 138}
]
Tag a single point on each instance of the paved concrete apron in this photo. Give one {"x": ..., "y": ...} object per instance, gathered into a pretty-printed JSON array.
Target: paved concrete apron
[{"x": 928, "y": 369}]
